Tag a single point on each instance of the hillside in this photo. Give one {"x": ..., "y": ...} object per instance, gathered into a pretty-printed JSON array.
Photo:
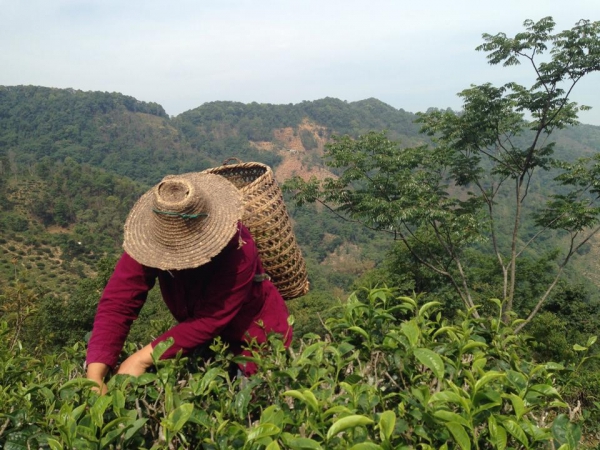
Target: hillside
[
  {"x": 72, "y": 163},
  {"x": 111, "y": 131}
]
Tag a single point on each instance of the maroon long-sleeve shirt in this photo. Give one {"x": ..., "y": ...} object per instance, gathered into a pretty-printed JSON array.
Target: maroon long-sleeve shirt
[{"x": 220, "y": 298}]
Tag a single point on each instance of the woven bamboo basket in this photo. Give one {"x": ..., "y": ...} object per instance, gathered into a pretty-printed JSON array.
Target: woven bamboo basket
[{"x": 269, "y": 223}]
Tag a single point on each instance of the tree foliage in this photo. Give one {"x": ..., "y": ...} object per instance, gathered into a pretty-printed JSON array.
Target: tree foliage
[{"x": 477, "y": 188}]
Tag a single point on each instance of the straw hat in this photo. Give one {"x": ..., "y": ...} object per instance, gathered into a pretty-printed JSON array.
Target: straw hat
[{"x": 183, "y": 221}]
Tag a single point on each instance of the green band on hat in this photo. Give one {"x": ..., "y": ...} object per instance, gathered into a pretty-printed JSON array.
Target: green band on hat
[{"x": 182, "y": 215}]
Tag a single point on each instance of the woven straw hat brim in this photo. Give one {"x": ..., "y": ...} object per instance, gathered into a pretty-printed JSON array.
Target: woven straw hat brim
[{"x": 189, "y": 245}]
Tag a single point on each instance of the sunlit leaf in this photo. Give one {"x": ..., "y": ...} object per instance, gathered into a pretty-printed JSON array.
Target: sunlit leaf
[
  {"x": 360, "y": 331},
  {"x": 348, "y": 422},
  {"x": 263, "y": 430},
  {"x": 488, "y": 377},
  {"x": 498, "y": 436},
  {"x": 300, "y": 443},
  {"x": 426, "y": 307},
  {"x": 387, "y": 423},
  {"x": 179, "y": 417},
  {"x": 411, "y": 330},
  {"x": 431, "y": 360},
  {"x": 518, "y": 405},
  {"x": 516, "y": 431},
  {"x": 366, "y": 446},
  {"x": 97, "y": 410}
]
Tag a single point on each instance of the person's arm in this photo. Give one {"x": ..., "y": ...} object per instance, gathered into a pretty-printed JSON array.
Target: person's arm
[
  {"x": 96, "y": 372},
  {"x": 137, "y": 363},
  {"x": 119, "y": 306}
]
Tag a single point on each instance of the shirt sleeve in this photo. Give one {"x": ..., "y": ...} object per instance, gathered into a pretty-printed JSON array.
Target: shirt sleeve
[
  {"x": 229, "y": 287},
  {"x": 119, "y": 306}
]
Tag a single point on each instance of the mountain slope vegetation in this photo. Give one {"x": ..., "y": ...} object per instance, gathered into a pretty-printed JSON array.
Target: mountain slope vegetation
[{"x": 64, "y": 156}]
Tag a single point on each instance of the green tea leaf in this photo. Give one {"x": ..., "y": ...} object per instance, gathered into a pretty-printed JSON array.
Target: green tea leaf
[
  {"x": 160, "y": 348},
  {"x": 115, "y": 423},
  {"x": 311, "y": 400},
  {"x": 111, "y": 436},
  {"x": 446, "y": 396},
  {"x": 460, "y": 435},
  {"x": 353, "y": 378},
  {"x": 134, "y": 428},
  {"x": 97, "y": 410},
  {"x": 179, "y": 416},
  {"x": 518, "y": 405},
  {"x": 295, "y": 394},
  {"x": 409, "y": 301},
  {"x": 516, "y": 431},
  {"x": 431, "y": 360},
  {"x": 387, "y": 423},
  {"x": 54, "y": 444},
  {"x": 449, "y": 416},
  {"x": 544, "y": 389},
  {"x": 273, "y": 446},
  {"x": 426, "y": 307},
  {"x": 496, "y": 302},
  {"x": 87, "y": 433},
  {"x": 347, "y": 422},
  {"x": 204, "y": 384},
  {"x": 473, "y": 344},
  {"x": 299, "y": 443},
  {"x": 338, "y": 409},
  {"x": 360, "y": 331},
  {"x": 118, "y": 399},
  {"x": 447, "y": 329},
  {"x": 78, "y": 382},
  {"x": 498, "y": 436},
  {"x": 272, "y": 414},
  {"x": 517, "y": 379},
  {"x": 566, "y": 432},
  {"x": 411, "y": 330},
  {"x": 487, "y": 378},
  {"x": 146, "y": 378},
  {"x": 366, "y": 446},
  {"x": 263, "y": 430}
]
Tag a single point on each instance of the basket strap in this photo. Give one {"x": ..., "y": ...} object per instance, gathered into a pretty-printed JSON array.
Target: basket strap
[{"x": 232, "y": 159}]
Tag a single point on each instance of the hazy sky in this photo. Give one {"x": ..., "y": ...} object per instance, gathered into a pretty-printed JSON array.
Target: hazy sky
[{"x": 182, "y": 53}]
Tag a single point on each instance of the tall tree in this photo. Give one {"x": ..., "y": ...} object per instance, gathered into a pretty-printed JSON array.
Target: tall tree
[{"x": 441, "y": 201}]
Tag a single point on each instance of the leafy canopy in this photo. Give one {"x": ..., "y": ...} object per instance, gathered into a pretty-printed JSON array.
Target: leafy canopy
[{"x": 478, "y": 186}]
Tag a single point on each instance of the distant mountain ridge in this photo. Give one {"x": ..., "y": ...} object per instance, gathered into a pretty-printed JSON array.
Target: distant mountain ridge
[{"x": 117, "y": 132}]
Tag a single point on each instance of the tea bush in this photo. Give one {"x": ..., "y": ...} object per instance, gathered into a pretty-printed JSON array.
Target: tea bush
[{"x": 389, "y": 374}]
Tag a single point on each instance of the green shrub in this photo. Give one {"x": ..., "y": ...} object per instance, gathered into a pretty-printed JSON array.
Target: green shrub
[{"x": 390, "y": 374}]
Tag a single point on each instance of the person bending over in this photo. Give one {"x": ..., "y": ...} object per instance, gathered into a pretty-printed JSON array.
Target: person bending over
[{"x": 186, "y": 232}]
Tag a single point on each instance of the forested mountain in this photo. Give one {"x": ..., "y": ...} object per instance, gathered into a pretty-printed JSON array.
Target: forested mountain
[
  {"x": 72, "y": 163},
  {"x": 138, "y": 139},
  {"x": 111, "y": 131}
]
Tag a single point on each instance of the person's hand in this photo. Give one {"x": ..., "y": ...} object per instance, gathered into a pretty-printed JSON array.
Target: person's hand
[
  {"x": 137, "y": 363},
  {"x": 96, "y": 372}
]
